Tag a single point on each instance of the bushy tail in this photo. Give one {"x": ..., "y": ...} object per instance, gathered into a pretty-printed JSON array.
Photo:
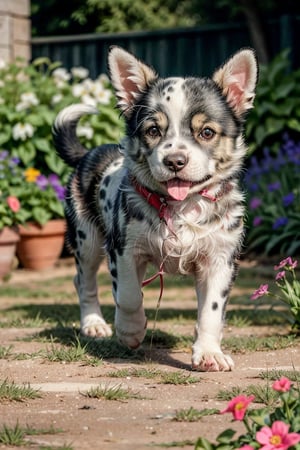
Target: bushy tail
[{"x": 64, "y": 133}]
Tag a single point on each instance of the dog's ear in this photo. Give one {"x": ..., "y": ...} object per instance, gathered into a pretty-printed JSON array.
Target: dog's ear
[
  {"x": 237, "y": 80},
  {"x": 129, "y": 76}
]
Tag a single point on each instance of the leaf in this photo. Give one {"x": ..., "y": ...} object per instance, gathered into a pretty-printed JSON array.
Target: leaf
[
  {"x": 55, "y": 164},
  {"x": 226, "y": 436},
  {"x": 4, "y": 137},
  {"x": 43, "y": 145},
  {"x": 26, "y": 153},
  {"x": 294, "y": 124},
  {"x": 203, "y": 444}
]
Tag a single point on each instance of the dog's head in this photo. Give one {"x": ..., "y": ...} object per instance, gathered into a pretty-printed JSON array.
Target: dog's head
[{"x": 183, "y": 133}]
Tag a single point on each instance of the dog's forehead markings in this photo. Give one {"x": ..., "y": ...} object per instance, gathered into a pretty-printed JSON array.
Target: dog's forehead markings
[{"x": 174, "y": 100}]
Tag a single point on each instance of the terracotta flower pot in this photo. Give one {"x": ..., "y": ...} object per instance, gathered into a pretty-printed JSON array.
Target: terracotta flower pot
[
  {"x": 41, "y": 246},
  {"x": 8, "y": 242}
]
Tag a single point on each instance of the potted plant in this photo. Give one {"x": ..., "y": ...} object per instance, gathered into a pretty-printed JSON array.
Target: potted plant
[
  {"x": 42, "y": 232},
  {"x": 10, "y": 211},
  {"x": 31, "y": 207}
]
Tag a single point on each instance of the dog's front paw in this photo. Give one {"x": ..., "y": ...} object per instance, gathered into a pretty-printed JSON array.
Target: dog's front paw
[
  {"x": 131, "y": 327},
  {"x": 95, "y": 326},
  {"x": 211, "y": 361}
]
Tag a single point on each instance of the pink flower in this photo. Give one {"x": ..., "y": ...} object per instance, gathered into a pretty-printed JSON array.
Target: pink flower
[
  {"x": 282, "y": 385},
  {"x": 288, "y": 263},
  {"x": 277, "y": 437},
  {"x": 280, "y": 275},
  {"x": 13, "y": 203},
  {"x": 246, "y": 447},
  {"x": 262, "y": 290},
  {"x": 237, "y": 406}
]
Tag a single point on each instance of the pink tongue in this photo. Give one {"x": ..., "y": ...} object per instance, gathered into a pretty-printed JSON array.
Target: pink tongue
[{"x": 178, "y": 189}]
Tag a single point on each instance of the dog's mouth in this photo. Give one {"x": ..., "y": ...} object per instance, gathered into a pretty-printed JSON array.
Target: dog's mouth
[{"x": 179, "y": 189}]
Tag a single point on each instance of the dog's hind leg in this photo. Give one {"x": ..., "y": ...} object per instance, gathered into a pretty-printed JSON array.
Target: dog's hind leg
[{"x": 89, "y": 254}]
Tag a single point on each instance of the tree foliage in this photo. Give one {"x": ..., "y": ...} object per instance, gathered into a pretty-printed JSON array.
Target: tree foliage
[{"x": 54, "y": 17}]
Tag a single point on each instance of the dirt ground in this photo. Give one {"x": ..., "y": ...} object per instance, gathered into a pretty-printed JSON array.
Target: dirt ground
[{"x": 136, "y": 423}]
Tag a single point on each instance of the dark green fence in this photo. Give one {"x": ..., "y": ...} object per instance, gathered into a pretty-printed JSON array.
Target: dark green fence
[{"x": 192, "y": 51}]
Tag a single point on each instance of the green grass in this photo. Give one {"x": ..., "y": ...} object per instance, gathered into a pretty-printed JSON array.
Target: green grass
[
  {"x": 17, "y": 436},
  {"x": 5, "y": 352},
  {"x": 13, "y": 392},
  {"x": 263, "y": 394},
  {"x": 276, "y": 374},
  {"x": 73, "y": 353},
  {"x": 243, "y": 344},
  {"x": 178, "y": 378},
  {"x": 111, "y": 392},
  {"x": 162, "y": 377},
  {"x": 179, "y": 444},
  {"x": 12, "y": 436},
  {"x": 193, "y": 415},
  {"x": 135, "y": 372}
]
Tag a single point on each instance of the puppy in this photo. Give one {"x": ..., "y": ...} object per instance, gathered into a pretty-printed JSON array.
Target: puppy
[{"x": 167, "y": 195}]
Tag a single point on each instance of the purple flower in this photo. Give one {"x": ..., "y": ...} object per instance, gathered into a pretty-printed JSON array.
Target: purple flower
[
  {"x": 257, "y": 221},
  {"x": 280, "y": 222},
  {"x": 42, "y": 182},
  {"x": 60, "y": 192},
  {"x": 253, "y": 187},
  {"x": 3, "y": 155},
  {"x": 262, "y": 290},
  {"x": 255, "y": 203},
  {"x": 274, "y": 186},
  {"x": 54, "y": 180},
  {"x": 288, "y": 199},
  {"x": 287, "y": 263},
  {"x": 14, "y": 161},
  {"x": 280, "y": 275}
]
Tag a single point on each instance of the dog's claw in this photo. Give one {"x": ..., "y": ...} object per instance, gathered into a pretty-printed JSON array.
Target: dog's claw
[
  {"x": 96, "y": 327},
  {"x": 212, "y": 362}
]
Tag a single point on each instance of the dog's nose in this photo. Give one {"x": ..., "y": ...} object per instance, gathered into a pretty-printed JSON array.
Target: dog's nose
[{"x": 175, "y": 161}]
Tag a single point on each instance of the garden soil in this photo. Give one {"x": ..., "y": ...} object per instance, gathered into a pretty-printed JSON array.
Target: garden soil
[{"x": 136, "y": 423}]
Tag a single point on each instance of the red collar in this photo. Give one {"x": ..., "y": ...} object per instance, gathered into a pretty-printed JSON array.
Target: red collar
[{"x": 160, "y": 202}]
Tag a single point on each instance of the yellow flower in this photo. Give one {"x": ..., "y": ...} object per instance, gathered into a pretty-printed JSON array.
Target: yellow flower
[{"x": 31, "y": 174}]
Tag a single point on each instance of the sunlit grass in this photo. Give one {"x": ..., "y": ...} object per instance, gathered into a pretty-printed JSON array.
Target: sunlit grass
[
  {"x": 111, "y": 392},
  {"x": 10, "y": 391},
  {"x": 193, "y": 415}
]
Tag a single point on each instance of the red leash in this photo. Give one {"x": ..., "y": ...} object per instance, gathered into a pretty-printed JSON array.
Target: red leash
[{"x": 159, "y": 274}]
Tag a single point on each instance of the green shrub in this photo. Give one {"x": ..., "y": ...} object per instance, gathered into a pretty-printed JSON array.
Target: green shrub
[
  {"x": 30, "y": 98},
  {"x": 276, "y": 107},
  {"x": 273, "y": 187}
]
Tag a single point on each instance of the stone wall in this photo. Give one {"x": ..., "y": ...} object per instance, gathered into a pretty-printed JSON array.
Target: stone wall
[{"x": 15, "y": 33}]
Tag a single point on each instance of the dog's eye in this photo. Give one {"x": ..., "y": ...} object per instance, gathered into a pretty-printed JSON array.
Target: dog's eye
[
  {"x": 153, "y": 132},
  {"x": 207, "y": 133}
]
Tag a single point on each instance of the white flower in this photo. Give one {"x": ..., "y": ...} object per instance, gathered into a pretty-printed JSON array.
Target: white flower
[
  {"x": 103, "y": 78},
  {"x": 80, "y": 72},
  {"x": 22, "y": 77},
  {"x": 61, "y": 77},
  {"x": 78, "y": 90},
  {"x": 56, "y": 99},
  {"x": 22, "y": 131},
  {"x": 88, "y": 84},
  {"x": 88, "y": 100},
  {"x": 1, "y": 101},
  {"x": 61, "y": 74},
  {"x": 2, "y": 64},
  {"x": 102, "y": 96},
  {"x": 85, "y": 131},
  {"x": 27, "y": 99}
]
